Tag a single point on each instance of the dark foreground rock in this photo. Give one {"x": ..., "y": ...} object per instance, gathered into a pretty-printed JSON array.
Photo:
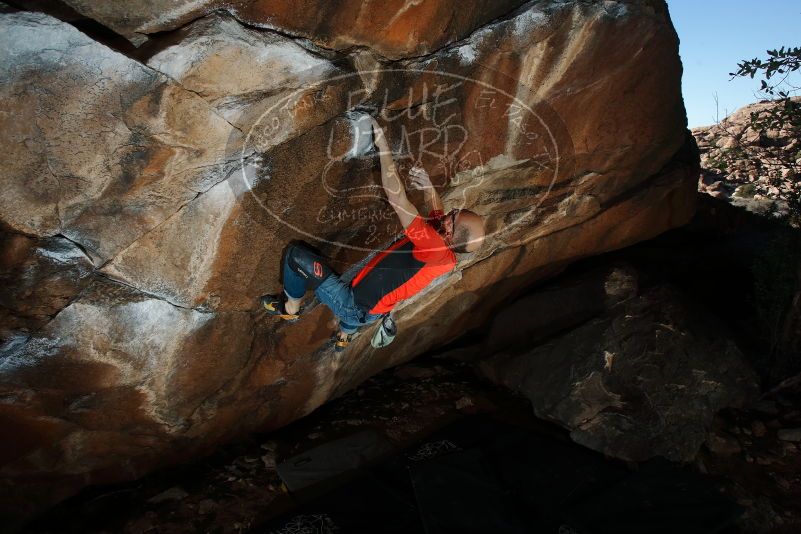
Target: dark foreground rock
[{"x": 644, "y": 379}]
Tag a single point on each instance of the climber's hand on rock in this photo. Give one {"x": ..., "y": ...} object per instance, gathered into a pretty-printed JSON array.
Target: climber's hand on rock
[
  {"x": 379, "y": 138},
  {"x": 420, "y": 179}
]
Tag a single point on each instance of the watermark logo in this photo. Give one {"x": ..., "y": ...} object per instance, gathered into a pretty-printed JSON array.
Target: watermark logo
[{"x": 310, "y": 162}]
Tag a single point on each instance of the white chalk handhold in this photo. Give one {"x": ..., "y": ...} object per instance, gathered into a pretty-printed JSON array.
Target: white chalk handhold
[{"x": 362, "y": 131}]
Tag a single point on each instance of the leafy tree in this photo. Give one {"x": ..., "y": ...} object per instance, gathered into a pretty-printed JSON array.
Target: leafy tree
[
  {"x": 780, "y": 62},
  {"x": 778, "y": 125}
]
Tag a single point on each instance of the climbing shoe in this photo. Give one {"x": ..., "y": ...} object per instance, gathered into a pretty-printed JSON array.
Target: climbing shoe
[
  {"x": 385, "y": 332},
  {"x": 276, "y": 305},
  {"x": 342, "y": 340}
]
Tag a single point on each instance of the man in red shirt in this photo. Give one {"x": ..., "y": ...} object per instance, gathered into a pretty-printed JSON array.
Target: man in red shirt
[{"x": 426, "y": 251}]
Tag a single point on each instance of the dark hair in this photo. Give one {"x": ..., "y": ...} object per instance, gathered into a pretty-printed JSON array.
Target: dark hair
[{"x": 461, "y": 236}]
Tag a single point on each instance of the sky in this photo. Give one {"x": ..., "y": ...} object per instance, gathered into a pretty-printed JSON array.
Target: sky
[{"x": 715, "y": 35}]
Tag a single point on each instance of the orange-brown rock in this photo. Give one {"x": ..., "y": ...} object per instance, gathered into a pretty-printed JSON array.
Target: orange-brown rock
[
  {"x": 184, "y": 179},
  {"x": 393, "y": 28}
]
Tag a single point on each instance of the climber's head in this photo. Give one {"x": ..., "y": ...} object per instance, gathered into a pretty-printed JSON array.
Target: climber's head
[{"x": 464, "y": 230}]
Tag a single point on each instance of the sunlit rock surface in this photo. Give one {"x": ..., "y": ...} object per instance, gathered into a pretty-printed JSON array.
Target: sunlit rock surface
[
  {"x": 243, "y": 73},
  {"x": 97, "y": 146},
  {"x": 155, "y": 199}
]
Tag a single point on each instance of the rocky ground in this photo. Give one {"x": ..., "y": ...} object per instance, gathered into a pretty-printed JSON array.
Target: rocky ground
[
  {"x": 238, "y": 487},
  {"x": 755, "y": 452}
]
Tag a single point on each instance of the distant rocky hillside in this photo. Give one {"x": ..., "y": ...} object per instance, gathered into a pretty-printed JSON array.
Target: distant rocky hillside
[{"x": 738, "y": 161}]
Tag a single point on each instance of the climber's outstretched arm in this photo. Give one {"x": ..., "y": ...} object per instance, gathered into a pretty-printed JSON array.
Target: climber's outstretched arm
[{"x": 390, "y": 180}]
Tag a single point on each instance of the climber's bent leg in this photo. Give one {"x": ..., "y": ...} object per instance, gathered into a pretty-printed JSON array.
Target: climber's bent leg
[{"x": 303, "y": 269}]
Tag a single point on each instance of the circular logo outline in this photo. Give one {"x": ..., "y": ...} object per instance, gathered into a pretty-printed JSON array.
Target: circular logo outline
[{"x": 326, "y": 81}]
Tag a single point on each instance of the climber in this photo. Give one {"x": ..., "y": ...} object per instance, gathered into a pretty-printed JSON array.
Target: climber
[{"x": 401, "y": 270}]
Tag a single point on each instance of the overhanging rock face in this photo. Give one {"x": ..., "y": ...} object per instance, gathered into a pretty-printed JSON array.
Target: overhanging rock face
[{"x": 146, "y": 204}]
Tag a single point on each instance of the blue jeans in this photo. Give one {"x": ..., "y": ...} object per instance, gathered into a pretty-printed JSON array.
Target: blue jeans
[{"x": 335, "y": 294}]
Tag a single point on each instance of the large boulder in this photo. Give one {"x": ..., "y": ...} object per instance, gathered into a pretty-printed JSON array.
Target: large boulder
[
  {"x": 645, "y": 379},
  {"x": 155, "y": 200}
]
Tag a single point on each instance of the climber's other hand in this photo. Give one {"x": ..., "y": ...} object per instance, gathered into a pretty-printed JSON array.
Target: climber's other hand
[{"x": 419, "y": 178}]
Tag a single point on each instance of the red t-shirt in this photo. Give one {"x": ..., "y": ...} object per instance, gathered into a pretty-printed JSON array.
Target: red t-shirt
[{"x": 404, "y": 268}]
